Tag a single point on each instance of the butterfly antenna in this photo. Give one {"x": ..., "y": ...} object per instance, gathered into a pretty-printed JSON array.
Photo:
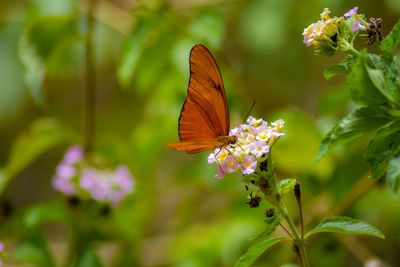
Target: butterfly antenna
[
  {"x": 248, "y": 113},
  {"x": 245, "y": 118}
]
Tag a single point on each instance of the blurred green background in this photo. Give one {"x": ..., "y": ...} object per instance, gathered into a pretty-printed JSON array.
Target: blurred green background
[{"x": 179, "y": 214}]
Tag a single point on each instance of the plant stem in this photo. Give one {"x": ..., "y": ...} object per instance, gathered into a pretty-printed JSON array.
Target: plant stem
[
  {"x": 298, "y": 240},
  {"x": 90, "y": 86}
]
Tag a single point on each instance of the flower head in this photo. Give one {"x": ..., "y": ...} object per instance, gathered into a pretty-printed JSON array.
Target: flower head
[
  {"x": 254, "y": 140},
  {"x": 75, "y": 176}
]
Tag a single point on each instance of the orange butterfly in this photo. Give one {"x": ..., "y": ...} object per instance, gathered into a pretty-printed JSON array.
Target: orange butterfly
[{"x": 204, "y": 121}]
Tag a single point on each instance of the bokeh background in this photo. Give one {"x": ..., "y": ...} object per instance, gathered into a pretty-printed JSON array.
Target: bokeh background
[{"x": 179, "y": 214}]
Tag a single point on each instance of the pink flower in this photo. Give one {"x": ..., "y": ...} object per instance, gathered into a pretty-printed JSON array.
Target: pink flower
[
  {"x": 211, "y": 159},
  {"x": 259, "y": 148},
  {"x": 124, "y": 179},
  {"x": 88, "y": 178},
  {"x": 1, "y": 246},
  {"x": 220, "y": 173},
  {"x": 73, "y": 155},
  {"x": 230, "y": 164},
  {"x": 65, "y": 171},
  {"x": 63, "y": 185},
  {"x": 351, "y": 12},
  {"x": 357, "y": 26},
  {"x": 249, "y": 164}
]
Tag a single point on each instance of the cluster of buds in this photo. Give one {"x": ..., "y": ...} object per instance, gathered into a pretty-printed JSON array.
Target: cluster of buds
[
  {"x": 329, "y": 35},
  {"x": 74, "y": 177},
  {"x": 254, "y": 141},
  {"x": 324, "y": 34}
]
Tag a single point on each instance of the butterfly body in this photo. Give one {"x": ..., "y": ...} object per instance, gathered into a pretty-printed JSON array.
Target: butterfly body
[{"x": 204, "y": 120}]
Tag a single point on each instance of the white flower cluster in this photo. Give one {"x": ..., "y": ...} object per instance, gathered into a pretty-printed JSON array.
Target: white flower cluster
[{"x": 253, "y": 143}]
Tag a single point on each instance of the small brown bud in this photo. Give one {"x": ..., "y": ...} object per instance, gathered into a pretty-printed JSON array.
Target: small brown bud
[
  {"x": 297, "y": 192},
  {"x": 254, "y": 202},
  {"x": 270, "y": 212}
]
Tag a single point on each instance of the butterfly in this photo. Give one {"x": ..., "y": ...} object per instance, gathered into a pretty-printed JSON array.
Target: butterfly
[{"x": 204, "y": 120}]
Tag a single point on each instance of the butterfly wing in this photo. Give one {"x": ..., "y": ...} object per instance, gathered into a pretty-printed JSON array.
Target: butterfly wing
[{"x": 205, "y": 115}]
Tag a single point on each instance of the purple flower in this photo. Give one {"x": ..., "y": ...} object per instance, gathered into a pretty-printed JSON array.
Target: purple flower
[
  {"x": 249, "y": 164},
  {"x": 220, "y": 173},
  {"x": 124, "y": 178},
  {"x": 211, "y": 159},
  {"x": 88, "y": 178},
  {"x": 357, "y": 26},
  {"x": 230, "y": 164},
  {"x": 259, "y": 148},
  {"x": 65, "y": 171},
  {"x": 64, "y": 185},
  {"x": 73, "y": 155},
  {"x": 234, "y": 131},
  {"x": 351, "y": 12},
  {"x": 1, "y": 246}
]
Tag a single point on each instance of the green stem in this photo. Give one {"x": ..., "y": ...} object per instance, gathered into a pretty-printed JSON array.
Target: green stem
[
  {"x": 89, "y": 103},
  {"x": 297, "y": 239},
  {"x": 350, "y": 49}
]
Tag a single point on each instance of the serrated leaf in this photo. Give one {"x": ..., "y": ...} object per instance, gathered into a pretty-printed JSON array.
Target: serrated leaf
[
  {"x": 53, "y": 211},
  {"x": 363, "y": 91},
  {"x": 345, "y": 225},
  {"x": 285, "y": 186},
  {"x": 389, "y": 44},
  {"x": 42, "y": 135},
  {"x": 393, "y": 79},
  {"x": 352, "y": 126},
  {"x": 37, "y": 43},
  {"x": 343, "y": 67},
  {"x": 33, "y": 250},
  {"x": 256, "y": 250},
  {"x": 384, "y": 146}
]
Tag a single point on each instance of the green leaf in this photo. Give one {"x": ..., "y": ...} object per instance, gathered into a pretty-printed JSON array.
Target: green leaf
[
  {"x": 271, "y": 224},
  {"x": 345, "y": 225},
  {"x": 352, "y": 126},
  {"x": 36, "y": 45},
  {"x": 42, "y": 135},
  {"x": 133, "y": 48},
  {"x": 363, "y": 91},
  {"x": 53, "y": 211},
  {"x": 208, "y": 27},
  {"x": 256, "y": 250},
  {"x": 286, "y": 186},
  {"x": 88, "y": 258},
  {"x": 382, "y": 148},
  {"x": 376, "y": 69},
  {"x": 33, "y": 249},
  {"x": 393, "y": 79},
  {"x": 393, "y": 174},
  {"x": 388, "y": 46},
  {"x": 343, "y": 67}
]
